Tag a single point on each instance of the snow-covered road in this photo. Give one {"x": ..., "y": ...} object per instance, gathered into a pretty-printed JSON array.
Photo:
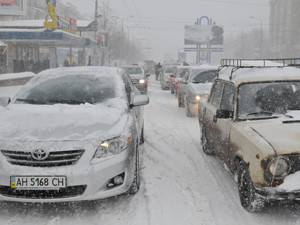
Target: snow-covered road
[{"x": 180, "y": 184}]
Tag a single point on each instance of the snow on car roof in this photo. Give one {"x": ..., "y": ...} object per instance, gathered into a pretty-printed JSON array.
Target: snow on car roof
[
  {"x": 260, "y": 74},
  {"x": 101, "y": 70}
]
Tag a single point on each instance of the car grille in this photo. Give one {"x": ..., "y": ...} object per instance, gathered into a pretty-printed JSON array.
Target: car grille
[
  {"x": 135, "y": 82},
  {"x": 59, "y": 158},
  {"x": 295, "y": 162},
  {"x": 68, "y": 192}
]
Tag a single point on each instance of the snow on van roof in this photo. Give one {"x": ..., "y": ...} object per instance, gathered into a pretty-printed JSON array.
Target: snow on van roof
[{"x": 259, "y": 73}]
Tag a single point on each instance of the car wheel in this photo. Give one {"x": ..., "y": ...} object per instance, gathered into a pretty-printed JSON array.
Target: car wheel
[
  {"x": 250, "y": 200},
  {"x": 180, "y": 103},
  {"x": 142, "y": 139},
  {"x": 135, "y": 186},
  {"x": 187, "y": 109},
  {"x": 172, "y": 90},
  {"x": 205, "y": 145}
]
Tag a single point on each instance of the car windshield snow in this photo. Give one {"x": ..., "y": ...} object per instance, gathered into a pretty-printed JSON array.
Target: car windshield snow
[
  {"x": 205, "y": 77},
  {"x": 268, "y": 99},
  {"x": 74, "y": 90},
  {"x": 170, "y": 69},
  {"x": 133, "y": 70}
]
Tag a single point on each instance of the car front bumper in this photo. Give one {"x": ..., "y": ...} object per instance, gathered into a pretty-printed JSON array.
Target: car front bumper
[
  {"x": 273, "y": 194},
  {"x": 85, "y": 181}
]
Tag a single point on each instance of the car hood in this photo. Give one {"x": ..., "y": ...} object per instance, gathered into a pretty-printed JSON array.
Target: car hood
[
  {"x": 137, "y": 76},
  {"x": 282, "y": 135},
  {"x": 61, "y": 122},
  {"x": 200, "y": 88}
]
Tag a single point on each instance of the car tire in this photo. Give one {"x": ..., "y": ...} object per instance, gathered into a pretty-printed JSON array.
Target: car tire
[
  {"x": 135, "y": 186},
  {"x": 188, "y": 112},
  {"x": 172, "y": 90},
  {"x": 142, "y": 139},
  {"x": 205, "y": 145},
  {"x": 180, "y": 103},
  {"x": 249, "y": 199}
]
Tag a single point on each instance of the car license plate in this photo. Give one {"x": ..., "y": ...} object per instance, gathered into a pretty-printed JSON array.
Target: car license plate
[{"x": 38, "y": 182}]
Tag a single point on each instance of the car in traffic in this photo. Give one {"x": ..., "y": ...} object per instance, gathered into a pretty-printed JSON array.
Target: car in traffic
[
  {"x": 195, "y": 86},
  {"x": 165, "y": 76},
  {"x": 251, "y": 121},
  {"x": 71, "y": 134},
  {"x": 149, "y": 67},
  {"x": 138, "y": 77}
]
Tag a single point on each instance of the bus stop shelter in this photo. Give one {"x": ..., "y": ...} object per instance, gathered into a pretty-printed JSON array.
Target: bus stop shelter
[{"x": 28, "y": 43}]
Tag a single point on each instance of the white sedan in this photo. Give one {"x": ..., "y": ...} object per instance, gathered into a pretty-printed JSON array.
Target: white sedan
[{"x": 71, "y": 134}]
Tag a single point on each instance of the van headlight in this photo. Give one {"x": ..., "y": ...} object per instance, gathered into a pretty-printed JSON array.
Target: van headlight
[
  {"x": 279, "y": 167},
  {"x": 111, "y": 148}
]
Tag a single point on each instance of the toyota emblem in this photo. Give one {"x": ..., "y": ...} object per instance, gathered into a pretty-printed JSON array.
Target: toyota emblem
[{"x": 39, "y": 154}]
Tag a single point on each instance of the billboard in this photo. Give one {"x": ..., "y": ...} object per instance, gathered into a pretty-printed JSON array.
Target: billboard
[
  {"x": 203, "y": 35},
  {"x": 13, "y": 7}
]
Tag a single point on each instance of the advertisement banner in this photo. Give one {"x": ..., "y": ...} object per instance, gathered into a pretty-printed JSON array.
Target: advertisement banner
[
  {"x": 203, "y": 35},
  {"x": 13, "y": 7}
]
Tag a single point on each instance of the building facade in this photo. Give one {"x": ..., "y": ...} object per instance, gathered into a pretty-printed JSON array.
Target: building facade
[{"x": 284, "y": 28}]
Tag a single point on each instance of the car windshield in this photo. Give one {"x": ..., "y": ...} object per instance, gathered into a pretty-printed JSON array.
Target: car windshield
[
  {"x": 75, "y": 90},
  {"x": 133, "y": 70},
  {"x": 268, "y": 99},
  {"x": 205, "y": 77},
  {"x": 170, "y": 69}
]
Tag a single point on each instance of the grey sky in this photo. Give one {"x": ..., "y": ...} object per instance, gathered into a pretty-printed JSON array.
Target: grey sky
[{"x": 158, "y": 25}]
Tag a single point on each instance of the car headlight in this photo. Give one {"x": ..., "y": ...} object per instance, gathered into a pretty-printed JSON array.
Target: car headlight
[
  {"x": 142, "y": 81},
  {"x": 201, "y": 97},
  {"x": 111, "y": 147},
  {"x": 279, "y": 167}
]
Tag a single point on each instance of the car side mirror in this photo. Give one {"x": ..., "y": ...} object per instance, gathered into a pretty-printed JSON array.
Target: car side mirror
[
  {"x": 4, "y": 101},
  {"x": 139, "y": 100},
  {"x": 172, "y": 75},
  {"x": 183, "y": 82},
  {"x": 147, "y": 75},
  {"x": 224, "y": 114}
]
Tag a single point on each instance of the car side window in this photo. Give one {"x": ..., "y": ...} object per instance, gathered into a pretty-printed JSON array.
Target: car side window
[
  {"x": 216, "y": 93},
  {"x": 227, "y": 102}
]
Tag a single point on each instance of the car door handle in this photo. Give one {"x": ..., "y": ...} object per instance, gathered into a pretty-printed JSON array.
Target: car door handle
[{"x": 215, "y": 119}]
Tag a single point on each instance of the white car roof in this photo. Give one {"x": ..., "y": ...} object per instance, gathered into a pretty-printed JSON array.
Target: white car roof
[{"x": 258, "y": 71}]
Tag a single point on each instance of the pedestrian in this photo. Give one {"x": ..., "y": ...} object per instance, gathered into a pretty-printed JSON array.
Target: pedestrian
[{"x": 157, "y": 70}]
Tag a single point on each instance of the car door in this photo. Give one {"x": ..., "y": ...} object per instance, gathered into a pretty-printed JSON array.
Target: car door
[
  {"x": 222, "y": 126},
  {"x": 209, "y": 114}
]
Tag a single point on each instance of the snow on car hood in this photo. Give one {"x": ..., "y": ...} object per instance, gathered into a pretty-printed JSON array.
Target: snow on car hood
[
  {"x": 283, "y": 134},
  {"x": 201, "y": 88},
  {"x": 61, "y": 122}
]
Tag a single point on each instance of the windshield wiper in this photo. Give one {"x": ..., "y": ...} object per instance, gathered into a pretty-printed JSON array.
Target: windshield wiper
[
  {"x": 66, "y": 101},
  {"x": 30, "y": 101},
  {"x": 268, "y": 113}
]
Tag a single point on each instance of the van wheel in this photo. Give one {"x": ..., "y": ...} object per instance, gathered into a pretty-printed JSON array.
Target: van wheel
[
  {"x": 249, "y": 199},
  {"x": 205, "y": 145}
]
